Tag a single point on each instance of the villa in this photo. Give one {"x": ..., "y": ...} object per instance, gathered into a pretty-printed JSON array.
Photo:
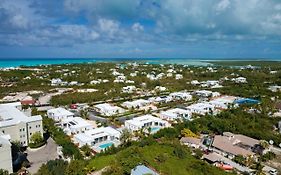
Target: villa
[
  {"x": 181, "y": 96},
  {"x": 231, "y": 145},
  {"x": 98, "y": 139},
  {"x": 223, "y": 102},
  {"x": 145, "y": 122},
  {"x": 201, "y": 108},
  {"x": 107, "y": 109},
  {"x": 174, "y": 114},
  {"x": 136, "y": 104},
  {"x": 59, "y": 114},
  {"x": 128, "y": 89},
  {"x": 75, "y": 125}
]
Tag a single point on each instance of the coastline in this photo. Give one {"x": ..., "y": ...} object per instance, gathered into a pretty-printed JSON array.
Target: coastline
[{"x": 33, "y": 62}]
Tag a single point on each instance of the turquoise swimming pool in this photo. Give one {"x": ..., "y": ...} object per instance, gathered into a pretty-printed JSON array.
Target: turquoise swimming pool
[
  {"x": 106, "y": 145},
  {"x": 155, "y": 129}
]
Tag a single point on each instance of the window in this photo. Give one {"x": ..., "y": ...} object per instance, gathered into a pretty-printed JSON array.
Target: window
[
  {"x": 30, "y": 133},
  {"x": 23, "y": 129},
  {"x": 20, "y": 130},
  {"x": 3, "y": 131},
  {"x": 29, "y": 127}
]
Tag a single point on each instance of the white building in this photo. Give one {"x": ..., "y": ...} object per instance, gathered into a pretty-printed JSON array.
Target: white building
[
  {"x": 181, "y": 96},
  {"x": 75, "y": 125},
  {"x": 223, "y": 102},
  {"x": 99, "y": 138},
  {"x": 206, "y": 93},
  {"x": 201, "y": 108},
  {"x": 240, "y": 80},
  {"x": 5, "y": 154},
  {"x": 175, "y": 114},
  {"x": 59, "y": 114},
  {"x": 178, "y": 76},
  {"x": 56, "y": 82},
  {"x": 136, "y": 103},
  {"x": 17, "y": 125},
  {"x": 145, "y": 122},
  {"x": 107, "y": 109},
  {"x": 128, "y": 89}
]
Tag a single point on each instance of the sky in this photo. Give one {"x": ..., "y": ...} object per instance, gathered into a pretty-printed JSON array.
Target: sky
[{"x": 140, "y": 28}]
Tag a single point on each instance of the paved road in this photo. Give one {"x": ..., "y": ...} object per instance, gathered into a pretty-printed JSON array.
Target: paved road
[{"x": 43, "y": 155}]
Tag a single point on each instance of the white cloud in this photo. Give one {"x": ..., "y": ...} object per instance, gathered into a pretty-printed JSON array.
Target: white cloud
[{"x": 137, "y": 27}]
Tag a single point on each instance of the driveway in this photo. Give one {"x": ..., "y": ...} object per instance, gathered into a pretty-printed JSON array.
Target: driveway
[{"x": 42, "y": 155}]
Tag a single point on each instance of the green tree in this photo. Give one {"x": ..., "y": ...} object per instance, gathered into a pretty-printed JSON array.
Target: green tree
[
  {"x": 36, "y": 140},
  {"x": 76, "y": 167},
  {"x": 4, "y": 172},
  {"x": 86, "y": 149},
  {"x": 125, "y": 137}
]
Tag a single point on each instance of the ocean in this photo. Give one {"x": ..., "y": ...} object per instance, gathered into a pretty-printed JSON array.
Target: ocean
[{"x": 16, "y": 62}]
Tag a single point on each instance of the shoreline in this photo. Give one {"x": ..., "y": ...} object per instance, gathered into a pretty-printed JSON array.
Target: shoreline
[{"x": 32, "y": 62}]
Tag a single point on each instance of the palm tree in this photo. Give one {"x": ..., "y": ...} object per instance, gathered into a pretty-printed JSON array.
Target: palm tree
[{"x": 125, "y": 137}]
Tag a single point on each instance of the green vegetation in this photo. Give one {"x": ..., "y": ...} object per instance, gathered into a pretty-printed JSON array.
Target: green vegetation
[
  {"x": 166, "y": 158},
  {"x": 36, "y": 140},
  {"x": 68, "y": 148}
]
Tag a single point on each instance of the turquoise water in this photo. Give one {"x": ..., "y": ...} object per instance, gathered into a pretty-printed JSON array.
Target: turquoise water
[
  {"x": 16, "y": 62},
  {"x": 4, "y": 63},
  {"x": 106, "y": 145},
  {"x": 155, "y": 129}
]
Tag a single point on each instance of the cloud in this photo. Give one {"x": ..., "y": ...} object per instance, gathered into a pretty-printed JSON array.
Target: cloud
[
  {"x": 137, "y": 27},
  {"x": 63, "y": 23}
]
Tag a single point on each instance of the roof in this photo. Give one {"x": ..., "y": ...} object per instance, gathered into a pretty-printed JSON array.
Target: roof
[
  {"x": 190, "y": 140},
  {"x": 96, "y": 133},
  {"x": 142, "y": 170},
  {"x": 140, "y": 121},
  {"x": 11, "y": 116},
  {"x": 77, "y": 122},
  {"x": 60, "y": 112},
  {"x": 228, "y": 144}
]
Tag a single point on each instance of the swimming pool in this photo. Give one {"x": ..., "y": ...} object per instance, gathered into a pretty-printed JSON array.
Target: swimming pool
[
  {"x": 106, "y": 145},
  {"x": 155, "y": 129}
]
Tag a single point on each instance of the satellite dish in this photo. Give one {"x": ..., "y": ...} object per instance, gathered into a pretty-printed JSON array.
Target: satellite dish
[{"x": 271, "y": 142}]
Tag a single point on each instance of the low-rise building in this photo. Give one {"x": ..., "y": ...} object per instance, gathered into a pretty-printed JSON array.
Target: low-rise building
[
  {"x": 98, "y": 139},
  {"x": 59, "y": 114},
  {"x": 191, "y": 142},
  {"x": 5, "y": 154},
  {"x": 17, "y": 125},
  {"x": 143, "y": 170},
  {"x": 175, "y": 114},
  {"x": 146, "y": 122},
  {"x": 202, "y": 108},
  {"x": 232, "y": 145},
  {"x": 136, "y": 104},
  {"x": 181, "y": 96},
  {"x": 128, "y": 89},
  {"x": 107, "y": 109},
  {"x": 75, "y": 125}
]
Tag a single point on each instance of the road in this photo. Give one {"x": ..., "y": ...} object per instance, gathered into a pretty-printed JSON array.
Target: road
[{"x": 43, "y": 155}]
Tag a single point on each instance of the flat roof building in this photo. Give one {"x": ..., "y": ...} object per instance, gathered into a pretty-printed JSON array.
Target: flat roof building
[
  {"x": 19, "y": 126},
  {"x": 145, "y": 122}
]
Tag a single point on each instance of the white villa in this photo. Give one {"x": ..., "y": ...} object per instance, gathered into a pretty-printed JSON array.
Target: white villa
[
  {"x": 107, "y": 109},
  {"x": 136, "y": 103},
  {"x": 59, "y": 114},
  {"x": 145, "y": 122},
  {"x": 128, "y": 89},
  {"x": 181, "y": 96},
  {"x": 75, "y": 125},
  {"x": 240, "y": 80},
  {"x": 201, "y": 108},
  {"x": 98, "y": 139},
  {"x": 176, "y": 113},
  {"x": 223, "y": 102}
]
